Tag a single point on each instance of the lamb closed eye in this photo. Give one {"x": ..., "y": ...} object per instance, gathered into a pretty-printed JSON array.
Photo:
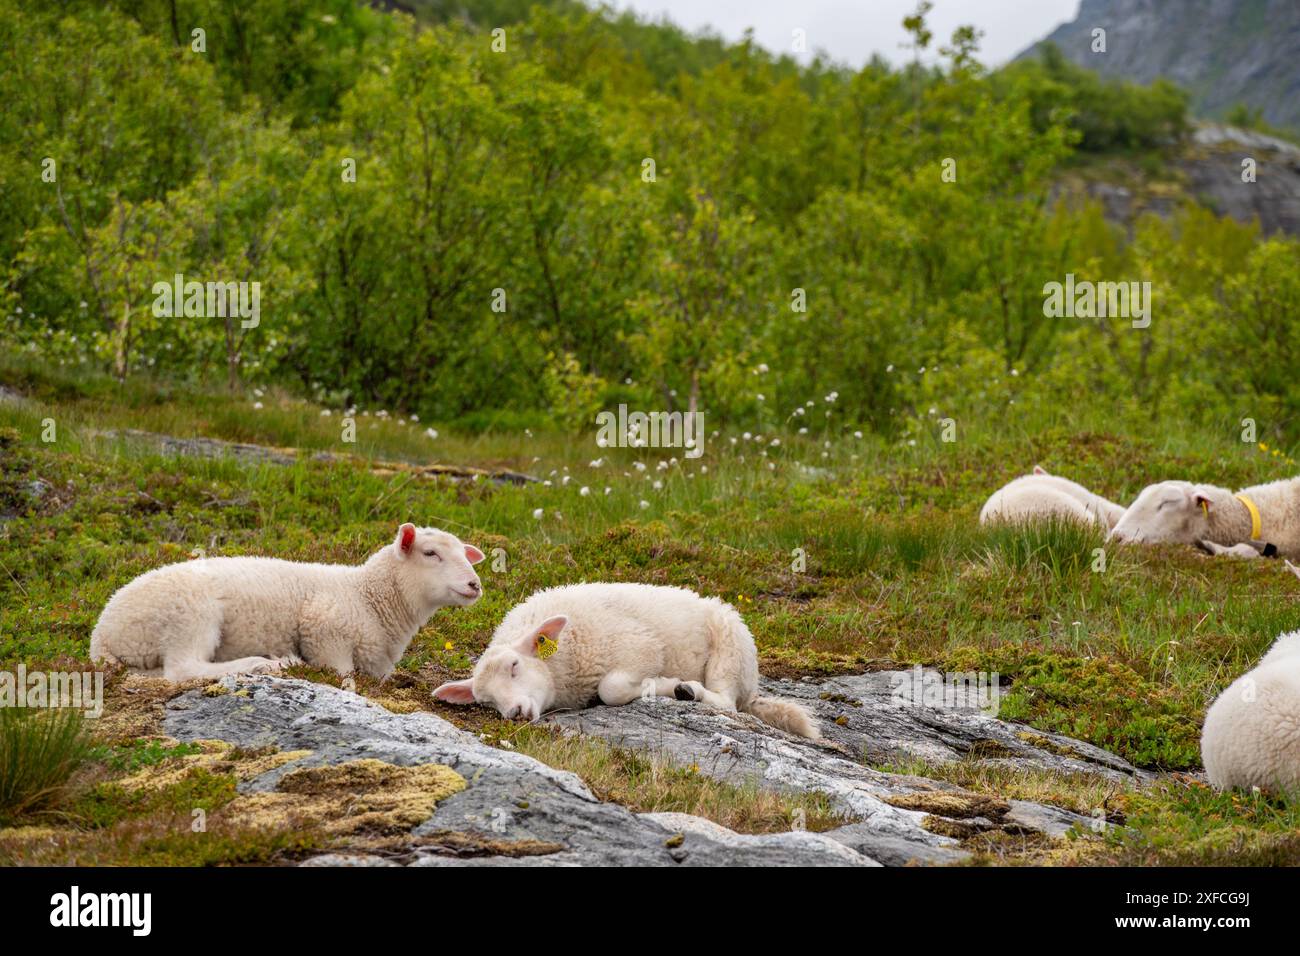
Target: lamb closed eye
[{"x": 433, "y": 554}]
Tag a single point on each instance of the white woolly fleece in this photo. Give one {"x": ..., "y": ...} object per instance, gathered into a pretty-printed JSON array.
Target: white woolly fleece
[{"x": 218, "y": 616}]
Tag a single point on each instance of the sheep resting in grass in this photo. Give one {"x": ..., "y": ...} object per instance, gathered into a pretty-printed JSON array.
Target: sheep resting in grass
[
  {"x": 1251, "y": 736},
  {"x": 218, "y": 616},
  {"x": 1240, "y": 524},
  {"x": 1040, "y": 495},
  {"x": 565, "y": 647}
]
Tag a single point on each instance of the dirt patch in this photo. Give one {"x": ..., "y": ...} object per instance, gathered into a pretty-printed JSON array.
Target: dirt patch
[
  {"x": 357, "y": 797},
  {"x": 955, "y": 805},
  {"x": 134, "y": 706}
]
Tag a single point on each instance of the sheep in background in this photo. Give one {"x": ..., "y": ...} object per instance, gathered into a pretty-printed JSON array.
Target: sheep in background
[
  {"x": 1221, "y": 521},
  {"x": 218, "y": 616},
  {"x": 1041, "y": 495},
  {"x": 566, "y": 646}
]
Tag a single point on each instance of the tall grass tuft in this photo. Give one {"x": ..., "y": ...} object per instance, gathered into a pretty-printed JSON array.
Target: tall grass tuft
[
  {"x": 1063, "y": 548},
  {"x": 39, "y": 752}
]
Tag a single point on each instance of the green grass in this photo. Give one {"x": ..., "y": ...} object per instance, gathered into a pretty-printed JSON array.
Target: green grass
[
  {"x": 40, "y": 751},
  {"x": 898, "y": 570}
]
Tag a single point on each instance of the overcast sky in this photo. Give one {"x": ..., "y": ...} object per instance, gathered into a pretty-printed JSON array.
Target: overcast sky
[{"x": 851, "y": 30}]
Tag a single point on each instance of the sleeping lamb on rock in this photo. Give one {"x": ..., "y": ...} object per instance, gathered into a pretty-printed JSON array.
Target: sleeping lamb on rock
[
  {"x": 566, "y": 646},
  {"x": 217, "y": 616}
]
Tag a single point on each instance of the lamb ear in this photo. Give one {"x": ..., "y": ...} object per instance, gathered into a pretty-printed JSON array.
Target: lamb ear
[
  {"x": 549, "y": 630},
  {"x": 473, "y": 554},
  {"x": 456, "y": 692},
  {"x": 1202, "y": 501},
  {"x": 405, "y": 539},
  {"x": 1039, "y": 470}
]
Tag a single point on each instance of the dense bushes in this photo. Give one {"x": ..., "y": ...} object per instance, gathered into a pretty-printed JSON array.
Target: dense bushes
[{"x": 603, "y": 211}]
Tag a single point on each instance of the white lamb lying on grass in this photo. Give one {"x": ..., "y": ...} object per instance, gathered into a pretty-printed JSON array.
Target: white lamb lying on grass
[
  {"x": 1041, "y": 495},
  {"x": 565, "y": 646},
  {"x": 1222, "y": 522},
  {"x": 1251, "y": 736},
  {"x": 219, "y": 616}
]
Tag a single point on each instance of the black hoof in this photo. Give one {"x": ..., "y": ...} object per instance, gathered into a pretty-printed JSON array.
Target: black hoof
[{"x": 683, "y": 692}]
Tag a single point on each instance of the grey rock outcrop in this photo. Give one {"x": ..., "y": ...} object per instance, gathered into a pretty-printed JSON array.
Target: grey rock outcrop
[
  {"x": 510, "y": 799},
  {"x": 513, "y": 801}
]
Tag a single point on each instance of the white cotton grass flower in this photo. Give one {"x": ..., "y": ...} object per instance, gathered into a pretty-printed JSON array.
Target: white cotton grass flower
[
  {"x": 537, "y": 513},
  {"x": 584, "y": 491},
  {"x": 257, "y": 405},
  {"x": 644, "y": 504},
  {"x": 431, "y": 432}
]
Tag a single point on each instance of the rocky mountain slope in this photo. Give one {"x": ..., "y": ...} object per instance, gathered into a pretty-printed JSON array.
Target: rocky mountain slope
[{"x": 1224, "y": 52}]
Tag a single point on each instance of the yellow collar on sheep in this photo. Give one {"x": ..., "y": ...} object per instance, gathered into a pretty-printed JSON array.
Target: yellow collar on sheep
[{"x": 1256, "y": 524}]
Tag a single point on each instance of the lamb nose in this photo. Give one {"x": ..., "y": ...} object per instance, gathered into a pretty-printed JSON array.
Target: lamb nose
[{"x": 475, "y": 586}]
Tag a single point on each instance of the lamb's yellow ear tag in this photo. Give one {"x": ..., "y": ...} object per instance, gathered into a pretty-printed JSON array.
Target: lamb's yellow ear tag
[
  {"x": 545, "y": 647},
  {"x": 1205, "y": 506}
]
